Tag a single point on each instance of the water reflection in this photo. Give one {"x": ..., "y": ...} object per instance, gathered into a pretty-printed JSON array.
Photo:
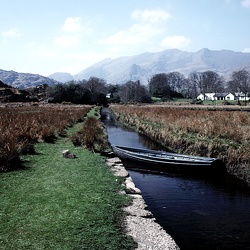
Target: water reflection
[
  {"x": 199, "y": 212},
  {"x": 122, "y": 135}
]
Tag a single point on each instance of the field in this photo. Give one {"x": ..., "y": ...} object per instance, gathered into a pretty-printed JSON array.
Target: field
[
  {"x": 55, "y": 202},
  {"x": 23, "y": 126},
  {"x": 197, "y": 131}
]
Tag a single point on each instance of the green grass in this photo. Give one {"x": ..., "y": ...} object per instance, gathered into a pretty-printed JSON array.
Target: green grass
[
  {"x": 156, "y": 99},
  {"x": 181, "y": 100},
  {"x": 94, "y": 112},
  {"x": 60, "y": 203},
  {"x": 219, "y": 102}
]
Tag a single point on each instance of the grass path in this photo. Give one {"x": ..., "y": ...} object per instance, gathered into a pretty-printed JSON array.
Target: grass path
[{"x": 60, "y": 203}]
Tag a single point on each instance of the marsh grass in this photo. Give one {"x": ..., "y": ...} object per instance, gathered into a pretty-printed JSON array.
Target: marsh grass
[
  {"x": 93, "y": 134},
  {"x": 22, "y": 127},
  {"x": 60, "y": 203},
  {"x": 220, "y": 134}
]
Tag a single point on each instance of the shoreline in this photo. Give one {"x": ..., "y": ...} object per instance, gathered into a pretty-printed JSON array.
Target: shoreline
[{"x": 140, "y": 222}]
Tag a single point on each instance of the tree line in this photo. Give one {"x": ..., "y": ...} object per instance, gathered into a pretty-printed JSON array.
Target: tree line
[
  {"x": 162, "y": 85},
  {"x": 96, "y": 90}
]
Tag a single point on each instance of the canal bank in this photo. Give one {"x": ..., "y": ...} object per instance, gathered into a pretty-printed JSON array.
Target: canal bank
[
  {"x": 140, "y": 222},
  {"x": 199, "y": 212}
]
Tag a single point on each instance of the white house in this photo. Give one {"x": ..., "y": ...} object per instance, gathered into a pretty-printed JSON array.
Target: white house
[
  {"x": 208, "y": 96},
  {"x": 241, "y": 97},
  {"x": 223, "y": 96},
  {"x": 109, "y": 95}
]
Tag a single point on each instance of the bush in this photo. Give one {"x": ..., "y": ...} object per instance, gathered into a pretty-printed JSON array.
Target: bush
[
  {"x": 199, "y": 101},
  {"x": 22, "y": 127},
  {"x": 92, "y": 136}
]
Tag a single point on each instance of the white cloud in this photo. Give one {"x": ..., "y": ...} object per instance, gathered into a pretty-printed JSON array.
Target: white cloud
[
  {"x": 245, "y": 3},
  {"x": 246, "y": 50},
  {"x": 66, "y": 41},
  {"x": 10, "y": 33},
  {"x": 72, "y": 32},
  {"x": 152, "y": 16},
  {"x": 72, "y": 24},
  {"x": 149, "y": 23},
  {"x": 136, "y": 34},
  {"x": 176, "y": 42}
]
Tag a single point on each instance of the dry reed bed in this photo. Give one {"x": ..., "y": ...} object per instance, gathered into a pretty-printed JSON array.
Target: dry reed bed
[
  {"x": 21, "y": 127},
  {"x": 221, "y": 134},
  {"x": 92, "y": 136}
]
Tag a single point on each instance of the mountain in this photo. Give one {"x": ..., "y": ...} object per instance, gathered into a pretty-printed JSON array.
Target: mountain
[
  {"x": 143, "y": 66},
  {"x": 61, "y": 77},
  {"x": 24, "y": 80}
]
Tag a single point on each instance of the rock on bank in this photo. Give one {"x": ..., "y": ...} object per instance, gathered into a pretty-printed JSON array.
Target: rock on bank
[{"x": 140, "y": 223}]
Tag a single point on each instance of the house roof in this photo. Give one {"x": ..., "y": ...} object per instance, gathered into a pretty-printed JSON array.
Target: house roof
[
  {"x": 239, "y": 94},
  {"x": 222, "y": 94}
]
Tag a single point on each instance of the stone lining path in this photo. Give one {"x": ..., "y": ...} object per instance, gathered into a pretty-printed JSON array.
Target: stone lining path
[{"x": 140, "y": 223}]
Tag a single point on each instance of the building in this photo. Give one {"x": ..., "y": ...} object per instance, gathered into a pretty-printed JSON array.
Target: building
[
  {"x": 208, "y": 96},
  {"x": 242, "y": 97},
  {"x": 223, "y": 97}
]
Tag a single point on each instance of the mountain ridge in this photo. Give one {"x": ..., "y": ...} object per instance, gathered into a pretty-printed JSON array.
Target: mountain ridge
[
  {"x": 141, "y": 67},
  {"x": 24, "y": 80}
]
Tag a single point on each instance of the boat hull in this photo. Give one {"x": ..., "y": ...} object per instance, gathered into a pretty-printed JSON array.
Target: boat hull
[{"x": 165, "y": 160}]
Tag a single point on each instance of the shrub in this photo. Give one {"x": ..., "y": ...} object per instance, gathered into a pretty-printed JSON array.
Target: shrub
[
  {"x": 21, "y": 127},
  {"x": 220, "y": 134},
  {"x": 92, "y": 135}
]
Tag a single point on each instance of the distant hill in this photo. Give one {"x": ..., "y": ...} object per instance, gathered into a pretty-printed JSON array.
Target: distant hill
[
  {"x": 143, "y": 66},
  {"x": 61, "y": 77},
  {"x": 140, "y": 67},
  {"x": 24, "y": 80},
  {"x": 11, "y": 94}
]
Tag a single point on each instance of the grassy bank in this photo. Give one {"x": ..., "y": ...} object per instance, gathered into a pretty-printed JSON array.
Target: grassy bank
[
  {"x": 61, "y": 203},
  {"x": 23, "y": 126},
  {"x": 211, "y": 133}
]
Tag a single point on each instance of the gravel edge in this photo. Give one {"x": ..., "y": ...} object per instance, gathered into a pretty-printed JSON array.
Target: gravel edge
[{"x": 140, "y": 223}]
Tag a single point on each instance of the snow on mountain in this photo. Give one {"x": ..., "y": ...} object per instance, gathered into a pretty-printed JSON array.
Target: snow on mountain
[{"x": 143, "y": 66}]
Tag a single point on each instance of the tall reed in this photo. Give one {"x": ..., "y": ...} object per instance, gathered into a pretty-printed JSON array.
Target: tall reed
[
  {"x": 222, "y": 134},
  {"x": 93, "y": 136},
  {"x": 21, "y": 127}
]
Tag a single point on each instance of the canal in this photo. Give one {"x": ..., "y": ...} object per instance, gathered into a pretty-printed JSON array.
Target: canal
[{"x": 199, "y": 212}]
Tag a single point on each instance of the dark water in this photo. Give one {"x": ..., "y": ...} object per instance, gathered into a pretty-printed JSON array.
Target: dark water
[{"x": 198, "y": 212}]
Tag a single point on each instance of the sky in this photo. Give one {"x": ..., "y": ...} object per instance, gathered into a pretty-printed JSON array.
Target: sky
[{"x": 48, "y": 36}]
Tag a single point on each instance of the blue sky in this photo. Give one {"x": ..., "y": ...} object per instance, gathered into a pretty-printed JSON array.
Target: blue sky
[{"x": 48, "y": 36}]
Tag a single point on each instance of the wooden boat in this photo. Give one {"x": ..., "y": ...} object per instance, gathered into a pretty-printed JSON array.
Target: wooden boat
[{"x": 162, "y": 158}]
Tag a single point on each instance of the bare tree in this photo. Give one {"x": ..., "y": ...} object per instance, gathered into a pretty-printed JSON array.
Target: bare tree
[
  {"x": 134, "y": 92},
  {"x": 176, "y": 81},
  {"x": 196, "y": 82},
  {"x": 240, "y": 82},
  {"x": 97, "y": 88},
  {"x": 159, "y": 85},
  {"x": 189, "y": 88},
  {"x": 208, "y": 81},
  {"x": 212, "y": 81}
]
